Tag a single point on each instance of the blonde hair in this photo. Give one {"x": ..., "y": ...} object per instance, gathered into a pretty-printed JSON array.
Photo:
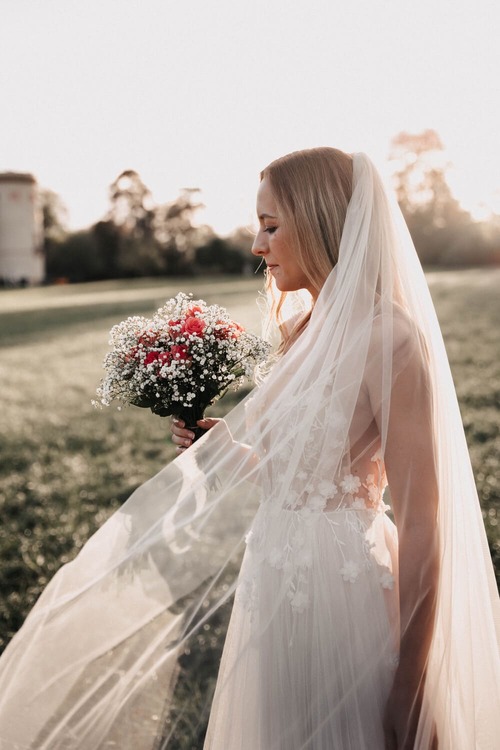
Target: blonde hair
[{"x": 312, "y": 189}]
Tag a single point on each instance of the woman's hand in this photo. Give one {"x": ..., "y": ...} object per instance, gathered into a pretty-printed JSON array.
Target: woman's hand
[
  {"x": 401, "y": 721},
  {"x": 183, "y": 437}
]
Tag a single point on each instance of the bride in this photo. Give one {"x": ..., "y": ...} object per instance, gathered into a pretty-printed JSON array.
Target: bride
[{"x": 348, "y": 630}]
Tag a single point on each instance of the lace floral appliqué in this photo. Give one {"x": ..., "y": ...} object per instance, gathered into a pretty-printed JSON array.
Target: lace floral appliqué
[{"x": 284, "y": 539}]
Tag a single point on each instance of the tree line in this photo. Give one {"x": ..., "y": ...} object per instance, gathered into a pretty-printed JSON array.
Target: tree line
[
  {"x": 444, "y": 233},
  {"x": 138, "y": 237}
]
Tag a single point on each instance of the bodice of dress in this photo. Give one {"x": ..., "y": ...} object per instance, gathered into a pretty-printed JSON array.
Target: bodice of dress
[
  {"x": 358, "y": 485},
  {"x": 335, "y": 481},
  {"x": 325, "y": 478},
  {"x": 284, "y": 536}
]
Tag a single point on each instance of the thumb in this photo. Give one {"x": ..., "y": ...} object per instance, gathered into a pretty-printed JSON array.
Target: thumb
[{"x": 207, "y": 423}]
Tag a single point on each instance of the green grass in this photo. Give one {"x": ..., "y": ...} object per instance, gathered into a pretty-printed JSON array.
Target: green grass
[
  {"x": 65, "y": 467},
  {"x": 469, "y": 313}
]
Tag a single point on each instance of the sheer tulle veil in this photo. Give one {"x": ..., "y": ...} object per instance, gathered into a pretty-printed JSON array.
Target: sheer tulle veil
[{"x": 101, "y": 659}]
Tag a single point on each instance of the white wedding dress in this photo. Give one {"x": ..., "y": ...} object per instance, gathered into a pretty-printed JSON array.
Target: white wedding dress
[
  {"x": 312, "y": 644},
  {"x": 336, "y": 627}
]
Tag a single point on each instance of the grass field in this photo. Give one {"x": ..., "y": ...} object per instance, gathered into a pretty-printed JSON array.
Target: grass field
[{"x": 66, "y": 466}]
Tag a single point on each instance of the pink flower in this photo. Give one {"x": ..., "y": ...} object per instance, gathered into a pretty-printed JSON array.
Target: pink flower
[{"x": 194, "y": 326}]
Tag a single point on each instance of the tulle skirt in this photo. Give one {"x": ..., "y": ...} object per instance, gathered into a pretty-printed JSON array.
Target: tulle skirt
[{"x": 315, "y": 675}]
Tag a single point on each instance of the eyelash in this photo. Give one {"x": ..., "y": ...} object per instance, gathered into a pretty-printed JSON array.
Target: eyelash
[{"x": 270, "y": 230}]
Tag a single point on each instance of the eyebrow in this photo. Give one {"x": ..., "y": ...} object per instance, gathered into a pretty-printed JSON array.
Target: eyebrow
[{"x": 267, "y": 216}]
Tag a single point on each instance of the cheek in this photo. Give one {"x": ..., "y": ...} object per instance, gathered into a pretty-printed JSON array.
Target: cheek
[{"x": 282, "y": 247}]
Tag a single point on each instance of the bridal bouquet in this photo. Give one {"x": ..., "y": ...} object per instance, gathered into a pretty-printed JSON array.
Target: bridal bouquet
[{"x": 180, "y": 361}]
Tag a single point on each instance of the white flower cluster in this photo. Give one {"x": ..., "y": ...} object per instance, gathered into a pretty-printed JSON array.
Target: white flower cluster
[{"x": 179, "y": 361}]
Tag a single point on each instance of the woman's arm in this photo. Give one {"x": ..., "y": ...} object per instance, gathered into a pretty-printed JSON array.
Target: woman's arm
[{"x": 410, "y": 463}]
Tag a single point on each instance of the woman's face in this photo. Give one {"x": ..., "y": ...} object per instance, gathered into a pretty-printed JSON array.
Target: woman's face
[{"x": 273, "y": 244}]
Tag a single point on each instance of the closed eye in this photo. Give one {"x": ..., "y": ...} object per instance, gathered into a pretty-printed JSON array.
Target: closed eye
[{"x": 270, "y": 230}]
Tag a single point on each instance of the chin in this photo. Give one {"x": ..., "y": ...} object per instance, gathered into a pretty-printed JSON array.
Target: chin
[
  {"x": 285, "y": 285},
  {"x": 289, "y": 287}
]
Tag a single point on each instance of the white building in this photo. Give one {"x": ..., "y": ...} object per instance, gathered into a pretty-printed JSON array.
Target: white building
[{"x": 21, "y": 230}]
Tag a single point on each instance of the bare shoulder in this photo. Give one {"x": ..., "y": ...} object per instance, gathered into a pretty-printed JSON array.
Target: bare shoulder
[{"x": 394, "y": 330}]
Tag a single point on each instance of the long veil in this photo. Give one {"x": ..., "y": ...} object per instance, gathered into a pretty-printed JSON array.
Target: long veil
[{"x": 116, "y": 646}]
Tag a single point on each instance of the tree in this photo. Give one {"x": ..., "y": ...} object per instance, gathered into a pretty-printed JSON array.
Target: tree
[
  {"x": 130, "y": 228},
  {"x": 54, "y": 218},
  {"x": 218, "y": 256},
  {"x": 176, "y": 234},
  {"x": 434, "y": 217},
  {"x": 141, "y": 238},
  {"x": 76, "y": 258},
  {"x": 108, "y": 241},
  {"x": 54, "y": 215},
  {"x": 132, "y": 207}
]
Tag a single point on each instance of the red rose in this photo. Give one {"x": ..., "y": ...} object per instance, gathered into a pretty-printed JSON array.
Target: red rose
[
  {"x": 193, "y": 310},
  {"x": 179, "y": 351},
  {"x": 165, "y": 358},
  {"x": 193, "y": 325},
  {"x": 151, "y": 357}
]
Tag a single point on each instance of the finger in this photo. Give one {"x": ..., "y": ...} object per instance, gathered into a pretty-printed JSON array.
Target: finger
[
  {"x": 182, "y": 433},
  {"x": 184, "y": 441},
  {"x": 207, "y": 422},
  {"x": 177, "y": 424}
]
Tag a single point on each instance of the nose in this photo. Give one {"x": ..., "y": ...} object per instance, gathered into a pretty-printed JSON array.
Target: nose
[{"x": 261, "y": 243}]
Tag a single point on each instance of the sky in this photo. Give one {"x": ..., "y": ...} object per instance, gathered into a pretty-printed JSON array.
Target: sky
[{"x": 205, "y": 94}]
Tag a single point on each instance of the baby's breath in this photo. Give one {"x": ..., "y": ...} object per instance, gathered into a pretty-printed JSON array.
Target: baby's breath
[{"x": 180, "y": 360}]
